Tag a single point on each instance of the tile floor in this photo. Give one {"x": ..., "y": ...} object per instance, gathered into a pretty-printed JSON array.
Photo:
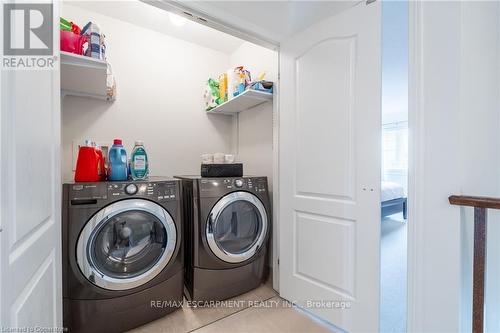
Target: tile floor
[{"x": 260, "y": 310}]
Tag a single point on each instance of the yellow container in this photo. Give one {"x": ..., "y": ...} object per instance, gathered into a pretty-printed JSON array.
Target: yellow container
[{"x": 223, "y": 87}]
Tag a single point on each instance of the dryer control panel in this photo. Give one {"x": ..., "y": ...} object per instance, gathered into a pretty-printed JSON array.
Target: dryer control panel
[{"x": 219, "y": 186}]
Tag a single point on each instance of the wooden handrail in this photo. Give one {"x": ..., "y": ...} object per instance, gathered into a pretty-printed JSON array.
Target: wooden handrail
[
  {"x": 480, "y": 205},
  {"x": 483, "y": 202}
]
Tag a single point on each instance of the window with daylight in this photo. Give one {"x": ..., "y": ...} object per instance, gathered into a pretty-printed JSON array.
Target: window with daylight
[{"x": 395, "y": 147}]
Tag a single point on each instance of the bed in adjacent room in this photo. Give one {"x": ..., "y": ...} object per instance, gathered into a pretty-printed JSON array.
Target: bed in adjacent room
[{"x": 393, "y": 199}]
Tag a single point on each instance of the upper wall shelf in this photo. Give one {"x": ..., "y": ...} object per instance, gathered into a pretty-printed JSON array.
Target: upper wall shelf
[
  {"x": 83, "y": 76},
  {"x": 242, "y": 102}
]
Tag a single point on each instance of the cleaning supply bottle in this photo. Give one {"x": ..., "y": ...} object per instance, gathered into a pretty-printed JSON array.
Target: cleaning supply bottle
[
  {"x": 237, "y": 80},
  {"x": 102, "y": 163},
  {"x": 139, "y": 166},
  {"x": 223, "y": 87},
  {"x": 118, "y": 161},
  {"x": 90, "y": 163}
]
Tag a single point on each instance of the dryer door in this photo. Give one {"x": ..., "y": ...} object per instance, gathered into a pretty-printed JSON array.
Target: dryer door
[
  {"x": 126, "y": 244},
  {"x": 237, "y": 227}
]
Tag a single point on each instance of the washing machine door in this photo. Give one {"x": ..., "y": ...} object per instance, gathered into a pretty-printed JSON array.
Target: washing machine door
[
  {"x": 237, "y": 227},
  {"x": 126, "y": 244}
]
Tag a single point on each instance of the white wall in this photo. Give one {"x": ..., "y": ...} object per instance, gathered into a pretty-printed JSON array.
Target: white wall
[
  {"x": 457, "y": 123},
  {"x": 480, "y": 142},
  {"x": 254, "y": 141},
  {"x": 160, "y": 84},
  {"x": 253, "y": 129}
]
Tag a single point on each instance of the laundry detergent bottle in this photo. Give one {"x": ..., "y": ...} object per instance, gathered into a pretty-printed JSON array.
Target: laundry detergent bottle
[
  {"x": 90, "y": 163},
  {"x": 118, "y": 161},
  {"x": 139, "y": 165}
]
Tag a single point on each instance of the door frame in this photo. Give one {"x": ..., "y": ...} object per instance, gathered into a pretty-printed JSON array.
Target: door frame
[{"x": 415, "y": 145}]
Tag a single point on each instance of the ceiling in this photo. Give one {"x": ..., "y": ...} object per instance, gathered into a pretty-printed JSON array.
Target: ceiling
[
  {"x": 263, "y": 22},
  {"x": 273, "y": 21},
  {"x": 147, "y": 16}
]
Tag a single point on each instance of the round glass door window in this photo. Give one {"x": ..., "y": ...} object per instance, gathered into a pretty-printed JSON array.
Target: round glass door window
[
  {"x": 237, "y": 227},
  {"x": 126, "y": 244}
]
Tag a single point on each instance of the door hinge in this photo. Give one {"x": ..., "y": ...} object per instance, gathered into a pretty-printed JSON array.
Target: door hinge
[{"x": 278, "y": 261}]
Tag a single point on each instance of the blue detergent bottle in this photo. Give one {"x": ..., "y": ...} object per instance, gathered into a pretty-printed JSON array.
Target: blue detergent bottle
[
  {"x": 118, "y": 161},
  {"x": 139, "y": 164}
]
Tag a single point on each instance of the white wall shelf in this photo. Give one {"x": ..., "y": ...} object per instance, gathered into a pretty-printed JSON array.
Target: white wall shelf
[
  {"x": 83, "y": 76},
  {"x": 242, "y": 102}
]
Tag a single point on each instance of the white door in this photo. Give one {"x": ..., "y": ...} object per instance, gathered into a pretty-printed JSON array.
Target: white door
[
  {"x": 329, "y": 168},
  {"x": 30, "y": 240}
]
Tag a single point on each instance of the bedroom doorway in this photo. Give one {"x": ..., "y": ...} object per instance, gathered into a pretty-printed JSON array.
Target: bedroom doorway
[{"x": 394, "y": 189}]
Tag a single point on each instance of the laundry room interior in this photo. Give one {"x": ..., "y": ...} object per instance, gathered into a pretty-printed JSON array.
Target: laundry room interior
[
  {"x": 249, "y": 166},
  {"x": 160, "y": 70}
]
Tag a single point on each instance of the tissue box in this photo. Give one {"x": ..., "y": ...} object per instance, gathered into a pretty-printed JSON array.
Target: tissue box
[{"x": 222, "y": 170}]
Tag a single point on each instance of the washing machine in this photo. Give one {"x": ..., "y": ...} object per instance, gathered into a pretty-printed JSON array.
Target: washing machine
[
  {"x": 122, "y": 253},
  {"x": 227, "y": 225}
]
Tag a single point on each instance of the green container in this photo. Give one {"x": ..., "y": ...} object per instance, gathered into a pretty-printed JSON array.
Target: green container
[
  {"x": 64, "y": 24},
  {"x": 139, "y": 164}
]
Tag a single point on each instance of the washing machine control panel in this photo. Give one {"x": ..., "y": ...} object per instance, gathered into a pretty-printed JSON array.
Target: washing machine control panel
[
  {"x": 89, "y": 191},
  {"x": 131, "y": 189},
  {"x": 152, "y": 190}
]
